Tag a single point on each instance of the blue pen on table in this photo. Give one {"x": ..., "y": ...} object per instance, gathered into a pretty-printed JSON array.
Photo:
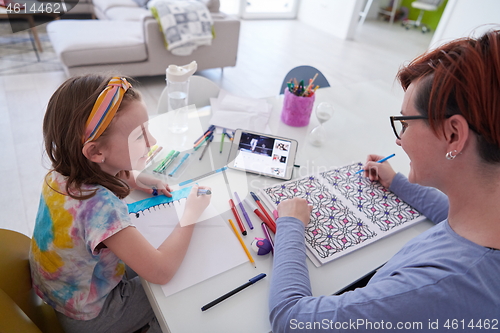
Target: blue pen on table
[
  {"x": 184, "y": 158},
  {"x": 234, "y": 291},
  {"x": 202, "y": 176},
  {"x": 247, "y": 218},
  {"x": 379, "y": 161}
]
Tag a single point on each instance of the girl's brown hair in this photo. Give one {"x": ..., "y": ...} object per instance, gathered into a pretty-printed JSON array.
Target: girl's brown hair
[
  {"x": 63, "y": 130},
  {"x": 461, "y": 77}
]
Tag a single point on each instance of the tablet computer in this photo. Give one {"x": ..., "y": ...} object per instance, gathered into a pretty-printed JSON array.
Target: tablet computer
[{"x": 263, "y": 154}]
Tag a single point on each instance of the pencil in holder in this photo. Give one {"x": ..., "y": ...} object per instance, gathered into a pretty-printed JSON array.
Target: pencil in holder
[{"x": 297, "y": 109}]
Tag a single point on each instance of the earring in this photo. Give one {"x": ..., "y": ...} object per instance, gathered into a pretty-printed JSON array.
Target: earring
[
  {"x": 450, "y": 156},
  {"x": 103, "y": 160}
]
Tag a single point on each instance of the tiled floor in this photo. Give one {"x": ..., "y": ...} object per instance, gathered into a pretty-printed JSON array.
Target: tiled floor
[
  {"x": 268, "y": 49},
  {"x": 17, "y": 52}
]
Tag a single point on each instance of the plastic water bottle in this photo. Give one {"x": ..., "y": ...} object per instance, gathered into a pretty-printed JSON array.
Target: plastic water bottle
[{"x": 177, "y": 91}]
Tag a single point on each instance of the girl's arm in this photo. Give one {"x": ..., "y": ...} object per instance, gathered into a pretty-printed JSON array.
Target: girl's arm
[
  {"x": 146, "y": 183},
  {"x": 159, "y": 265}
]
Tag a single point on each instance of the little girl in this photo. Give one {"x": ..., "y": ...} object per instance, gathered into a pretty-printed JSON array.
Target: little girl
[{"x": 95, "y": 132}]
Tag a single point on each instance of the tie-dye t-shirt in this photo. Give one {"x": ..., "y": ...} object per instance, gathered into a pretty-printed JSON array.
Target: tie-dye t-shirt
[{"x": 69, "y": 272}]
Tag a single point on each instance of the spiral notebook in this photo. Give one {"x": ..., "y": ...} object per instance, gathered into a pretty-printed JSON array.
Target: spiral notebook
[{"x": 213, "y": 248}]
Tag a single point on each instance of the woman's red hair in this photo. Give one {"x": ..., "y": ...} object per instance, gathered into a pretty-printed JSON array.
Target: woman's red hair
[{"x": 461, "y": 77}]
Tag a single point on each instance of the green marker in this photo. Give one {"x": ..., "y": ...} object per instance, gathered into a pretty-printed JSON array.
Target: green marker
[
  {"x": 222, "y": 139},
  {"x": 165, "y": 160}
]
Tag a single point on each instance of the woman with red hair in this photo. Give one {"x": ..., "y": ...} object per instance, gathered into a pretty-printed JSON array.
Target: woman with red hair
[{"x": 449, "y": 276}]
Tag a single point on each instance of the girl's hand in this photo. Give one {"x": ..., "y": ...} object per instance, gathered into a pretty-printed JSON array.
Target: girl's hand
[
  {"x": 148, "y": 184},
  {"x": 195, "y": 205},
  {"x": 381, "y": 172},
  {"x": 295, "y": 207}
]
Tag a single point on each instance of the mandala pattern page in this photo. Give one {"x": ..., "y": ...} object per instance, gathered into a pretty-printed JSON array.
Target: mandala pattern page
[
  {"x": 334, "y": 229},
  {"x": 382, "y": 207},
  {"x": 349, "y": 211}
]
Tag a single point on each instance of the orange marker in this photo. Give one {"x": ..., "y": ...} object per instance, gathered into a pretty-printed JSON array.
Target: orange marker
[{"x": 242, "y": 244}]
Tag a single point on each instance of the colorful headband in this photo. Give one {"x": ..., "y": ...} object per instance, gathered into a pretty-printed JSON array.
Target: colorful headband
[{"x": 105, "y": 108}]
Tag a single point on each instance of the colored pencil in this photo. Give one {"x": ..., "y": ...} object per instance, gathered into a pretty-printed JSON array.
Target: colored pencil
[{"x": 379, "y": 161}]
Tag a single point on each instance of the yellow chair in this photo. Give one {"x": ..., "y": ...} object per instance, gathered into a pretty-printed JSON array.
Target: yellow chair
[{"x": 21, "y": 310}]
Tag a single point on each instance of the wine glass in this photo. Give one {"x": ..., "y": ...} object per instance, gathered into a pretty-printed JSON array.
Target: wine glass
[{"x": 318, "y": 135}]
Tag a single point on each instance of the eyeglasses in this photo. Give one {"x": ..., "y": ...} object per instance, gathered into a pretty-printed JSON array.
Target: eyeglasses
[{"x": 399, "y": 123}]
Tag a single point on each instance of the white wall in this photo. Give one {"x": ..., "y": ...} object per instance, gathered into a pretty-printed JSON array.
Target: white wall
[
  {"x": 337, "y": 17},
  {"x": 462, "y": 18},
  {"x": 231, "y": 7}
]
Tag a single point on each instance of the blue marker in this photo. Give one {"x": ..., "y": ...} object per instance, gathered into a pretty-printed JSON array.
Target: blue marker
[
  {"x": 178, "y": 165},
  {"x": 234, "y": 291},
  {"x": 379, "y": 161}
]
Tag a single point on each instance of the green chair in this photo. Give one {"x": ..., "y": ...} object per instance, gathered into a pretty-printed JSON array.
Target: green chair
[{"x": 21, "y": 310}]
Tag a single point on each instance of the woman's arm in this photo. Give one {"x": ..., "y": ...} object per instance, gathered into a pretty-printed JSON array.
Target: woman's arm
[
  {"x": 429, "y": 201},
  {"x": 290, "y": 282}
]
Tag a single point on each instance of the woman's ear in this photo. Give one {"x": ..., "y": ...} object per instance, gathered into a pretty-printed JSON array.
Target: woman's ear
[
  {"x": 456, "y": 130},
  {"x": 92, "y": 153}
]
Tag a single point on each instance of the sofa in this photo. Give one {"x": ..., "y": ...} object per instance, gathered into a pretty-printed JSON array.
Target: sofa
[{"x": 126, "y": 39}]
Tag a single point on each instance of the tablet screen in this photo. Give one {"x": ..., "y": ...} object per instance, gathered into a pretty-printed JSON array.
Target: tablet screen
[{"x": 262, "y": 154}]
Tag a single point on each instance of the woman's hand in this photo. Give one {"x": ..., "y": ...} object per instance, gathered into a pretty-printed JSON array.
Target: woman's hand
[
  {"x": 381, "y": 172},
  {"x": 295, "y": 207},
  {"x": 148, "y": 184}
]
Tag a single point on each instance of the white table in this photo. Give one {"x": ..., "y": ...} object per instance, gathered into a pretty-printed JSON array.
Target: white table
[{"x": 355, "y": 132}]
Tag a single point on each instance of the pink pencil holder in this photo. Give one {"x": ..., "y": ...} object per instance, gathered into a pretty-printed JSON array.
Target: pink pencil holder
[{"x": 296, "y": 109}]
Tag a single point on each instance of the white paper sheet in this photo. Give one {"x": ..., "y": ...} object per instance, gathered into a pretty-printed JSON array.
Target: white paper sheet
[
  {"x": 213, "y": 248},
  {"x": 232, "y": 112}
]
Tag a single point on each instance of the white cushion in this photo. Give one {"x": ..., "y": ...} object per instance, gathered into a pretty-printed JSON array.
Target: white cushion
[
  {"x": 127, "y": 13},
  {"x": 93, "y": 42},
  {"x": 104, "y": 5}
]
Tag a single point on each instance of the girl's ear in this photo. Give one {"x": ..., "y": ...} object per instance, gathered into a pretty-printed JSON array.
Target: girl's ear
[{"x": 92, "y": 153}]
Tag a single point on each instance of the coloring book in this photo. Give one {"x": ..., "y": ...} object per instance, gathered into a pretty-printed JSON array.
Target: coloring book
[{"x": 349, "y": 211}]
